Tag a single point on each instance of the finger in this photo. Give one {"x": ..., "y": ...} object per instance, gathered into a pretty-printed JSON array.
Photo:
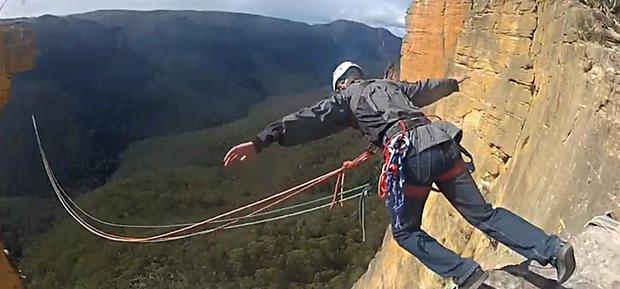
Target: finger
[
  {"x": 229, "y": 161},
  {"x": 230, "y": 158},
  {"x": 230, "y": 152},
  {"x": 227, "y": 157}
]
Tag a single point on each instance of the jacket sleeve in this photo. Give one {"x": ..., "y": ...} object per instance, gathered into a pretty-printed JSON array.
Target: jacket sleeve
[
  {"x": 310, "y": 123},
  {"x": 425, "y": 92}
]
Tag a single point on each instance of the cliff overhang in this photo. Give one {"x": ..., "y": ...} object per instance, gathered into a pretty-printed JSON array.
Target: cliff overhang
[{"x": 541, "y": 116}]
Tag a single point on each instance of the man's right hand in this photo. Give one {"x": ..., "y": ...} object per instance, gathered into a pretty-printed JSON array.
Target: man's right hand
[
  {"x": 240, "y": 152},
  {"x": 460, "y": 79}
]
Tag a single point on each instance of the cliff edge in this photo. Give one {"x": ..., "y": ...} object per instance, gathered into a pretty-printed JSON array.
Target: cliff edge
[
  {"x": 541, "y": 115},
  {"x": 17, "y": 54}
]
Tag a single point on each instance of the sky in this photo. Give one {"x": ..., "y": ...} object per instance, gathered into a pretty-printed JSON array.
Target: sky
[{"x": 389, "y": 14}]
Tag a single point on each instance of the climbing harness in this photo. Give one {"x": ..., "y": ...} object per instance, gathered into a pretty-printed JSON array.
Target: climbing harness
[
  {"x": 392, "y": 186},
  {"x": 225, "y": 221},
  {"x": 469, "y": 165}
]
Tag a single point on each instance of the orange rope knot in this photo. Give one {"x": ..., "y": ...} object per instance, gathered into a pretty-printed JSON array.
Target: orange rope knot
[
  {"x": 339, "y": 187},
  {"x": 348, "y": 165}
]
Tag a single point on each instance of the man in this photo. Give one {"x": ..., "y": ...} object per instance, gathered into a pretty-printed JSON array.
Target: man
[{"x": 421, "y": 153}]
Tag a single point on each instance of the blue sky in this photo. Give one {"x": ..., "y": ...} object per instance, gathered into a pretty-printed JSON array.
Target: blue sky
[{"x": 389, "y": 14}]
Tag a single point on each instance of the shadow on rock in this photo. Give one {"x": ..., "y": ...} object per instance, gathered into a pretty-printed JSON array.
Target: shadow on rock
[
  {"x": 597, "y": 250},
  {"x": 520, "y": 276}
]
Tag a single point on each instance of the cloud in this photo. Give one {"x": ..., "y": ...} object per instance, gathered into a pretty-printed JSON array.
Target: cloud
[{"x": 389, "y": 14}]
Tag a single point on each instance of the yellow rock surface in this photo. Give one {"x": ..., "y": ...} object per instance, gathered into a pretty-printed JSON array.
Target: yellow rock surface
[
  {"x": 9, "y": 278},
  {"x": 432, "y": 31},
  {"x": 541, "y": 115}
]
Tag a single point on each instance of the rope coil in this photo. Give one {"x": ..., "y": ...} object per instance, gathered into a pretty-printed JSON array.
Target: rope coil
[{"x": 392, "y": 179}]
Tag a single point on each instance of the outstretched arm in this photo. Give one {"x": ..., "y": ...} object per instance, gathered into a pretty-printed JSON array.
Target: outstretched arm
[
  {"x": 310, "y": 123},
  {"x": 425, "y": 92}
]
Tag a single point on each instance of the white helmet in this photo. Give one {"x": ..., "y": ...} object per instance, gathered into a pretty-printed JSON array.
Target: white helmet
[{"x": 341, "y": 70}]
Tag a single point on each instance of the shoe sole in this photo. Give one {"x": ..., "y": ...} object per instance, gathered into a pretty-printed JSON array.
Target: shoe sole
[
  {"x": 569, "y": 264},
  {"x": 480, "y": 281}
]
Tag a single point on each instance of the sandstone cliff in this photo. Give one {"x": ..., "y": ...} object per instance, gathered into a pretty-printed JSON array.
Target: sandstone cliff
[
  {"x": 17, "y": 54},
  {"x": 541, "y": 115}
]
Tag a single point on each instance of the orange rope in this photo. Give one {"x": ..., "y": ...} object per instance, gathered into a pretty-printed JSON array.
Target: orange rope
[
  {"x": 186, "y": 232},
  {"x": 196, "y": 228},
  {"x": 342, "y": 171}
]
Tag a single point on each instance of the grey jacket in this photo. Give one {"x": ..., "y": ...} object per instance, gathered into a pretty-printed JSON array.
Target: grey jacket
[{"x": 371, "y": 106}]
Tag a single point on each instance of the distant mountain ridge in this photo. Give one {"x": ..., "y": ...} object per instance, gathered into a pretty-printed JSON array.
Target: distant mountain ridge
[{"x": 107, "y": 78}]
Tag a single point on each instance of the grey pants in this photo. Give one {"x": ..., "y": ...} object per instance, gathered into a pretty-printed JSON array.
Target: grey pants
[{"x": 424, "y": 169}]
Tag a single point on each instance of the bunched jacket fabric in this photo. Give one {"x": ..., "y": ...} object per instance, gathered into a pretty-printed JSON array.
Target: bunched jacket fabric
[{"x": 378, "y": 103}]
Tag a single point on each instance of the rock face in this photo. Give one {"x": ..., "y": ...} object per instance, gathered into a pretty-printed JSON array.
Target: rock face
[
  {"x": 433, "y": 28},
  {"x": 17, "y": 53},
  {"x": 597, "y": 249},
  {"x": 541, "y": 115},
  {"x": 9, "y": 278}
]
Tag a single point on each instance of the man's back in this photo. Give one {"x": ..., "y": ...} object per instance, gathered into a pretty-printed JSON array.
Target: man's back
[{"x": 378, "y": 104}]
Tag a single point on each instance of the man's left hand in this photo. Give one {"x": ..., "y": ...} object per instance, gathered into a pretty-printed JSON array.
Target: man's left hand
[{"x": 240, "y": 153}]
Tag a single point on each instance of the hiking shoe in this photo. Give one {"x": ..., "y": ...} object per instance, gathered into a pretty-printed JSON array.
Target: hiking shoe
[
  {"x": 475, "y": 280},
  {"x": 564, "y": 262}
]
